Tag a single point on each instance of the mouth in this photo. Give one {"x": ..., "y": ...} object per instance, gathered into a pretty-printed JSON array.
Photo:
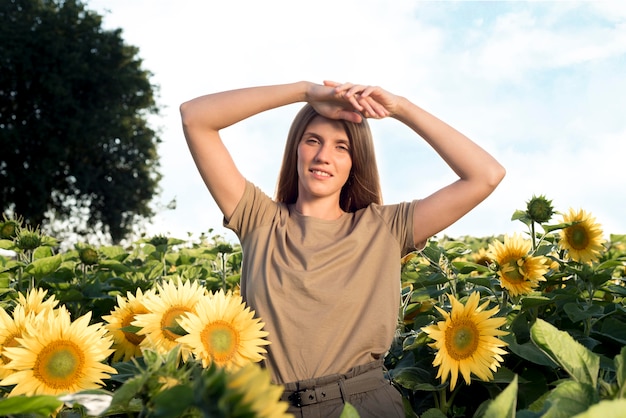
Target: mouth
[{"x": 320, "y": 173}]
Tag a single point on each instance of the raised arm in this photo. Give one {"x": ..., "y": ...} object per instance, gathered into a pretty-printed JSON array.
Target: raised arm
[
  {"x": 479, "y": 173},
  {"x": 205, "y": 116}
]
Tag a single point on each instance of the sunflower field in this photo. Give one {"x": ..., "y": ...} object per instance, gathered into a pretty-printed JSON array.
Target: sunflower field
[{"x": 527, "y": 325}]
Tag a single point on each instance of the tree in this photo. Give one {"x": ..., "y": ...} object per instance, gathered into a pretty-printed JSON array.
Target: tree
[{"x": 74, "y": 103}]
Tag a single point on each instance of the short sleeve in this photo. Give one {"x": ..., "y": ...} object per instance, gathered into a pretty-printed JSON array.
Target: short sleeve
[{"x": 253, "y": 210}]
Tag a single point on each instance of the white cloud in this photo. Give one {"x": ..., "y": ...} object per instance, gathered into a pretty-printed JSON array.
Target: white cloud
[{"x": 540, "y": 85}]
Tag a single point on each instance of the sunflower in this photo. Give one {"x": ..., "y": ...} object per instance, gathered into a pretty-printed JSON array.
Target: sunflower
[
  {"x": 482, "y": 257},
  {"x": 254, "y": 389},
  {"x": 467, "y": 341},
  {"x": 583, "y": 240},
  {"x": 9, "y": 332},
  {"x": 127, "y": 344},
  {"x": 59, "y": 356},
  {"x": 224, "y": 331},
  {"x": 165, "y": 307},
  {"x": 13, "y": 327},
  {"x": 34, "y": 301},
  {"x": 519, "y": 272}
]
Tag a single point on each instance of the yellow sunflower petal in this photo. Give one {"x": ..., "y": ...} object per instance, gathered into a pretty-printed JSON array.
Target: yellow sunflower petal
[
  {"x": 583, "y": 240},
  {"x": 258, "y": 392},
  {"x": 58, "y": 356},
  {"x": 127, "y": 344},
  {"x": 467, "y": 341},
  {"x": 224, "y": 331},
  {"x": 166, "y": 306},
  {"x": 519, "y": 272}
]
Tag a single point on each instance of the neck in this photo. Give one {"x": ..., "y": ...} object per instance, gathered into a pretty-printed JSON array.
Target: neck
[{"x": 327, "y": 209}]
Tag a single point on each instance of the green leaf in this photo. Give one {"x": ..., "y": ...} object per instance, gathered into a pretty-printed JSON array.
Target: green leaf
[
  {"x": 44, "y": 266},
  {"x": 466, "y": 267},
  {"x": 42, "y": 252},
  {"x": 534, "y": 301},
  {"x": 505, "y": 404},
  {"x": 568, "y": 399},
  {"x": 433, "y": 413},
  {"x": 114, "y": 265},
  {"x": 6, "y": 244},
  {"x": 172, "y": 402},
  {"x": 550, "y": 228},
  {"x": 605, "y": 409},
  {"x": 577, "y": 313},
  {"x": 349, "y": 411},
  {"x": 42, "y": 405},
  {"x": 520, "y": 215},
  {"x": 614, "y": 329},
  {"x": 527, "y": 351},
  {"x": 414, "y": 378},
  {"x": 580, "y": 363}
]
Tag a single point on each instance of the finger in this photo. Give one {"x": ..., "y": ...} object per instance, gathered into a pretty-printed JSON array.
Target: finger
[
  {"x": 330, "y": 83},
  {"x": 373, "y": 108},
  {"x": 350, "y": 116}
]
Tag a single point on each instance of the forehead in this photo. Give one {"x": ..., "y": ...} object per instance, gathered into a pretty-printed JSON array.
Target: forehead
[{"x": 320, "y": 124}]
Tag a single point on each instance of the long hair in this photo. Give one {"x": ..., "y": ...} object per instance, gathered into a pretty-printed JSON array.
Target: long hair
[{"x": 363, "y": 184}]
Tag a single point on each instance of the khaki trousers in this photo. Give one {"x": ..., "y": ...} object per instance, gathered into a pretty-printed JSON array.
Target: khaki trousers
[{"x": 364, "y": 387}]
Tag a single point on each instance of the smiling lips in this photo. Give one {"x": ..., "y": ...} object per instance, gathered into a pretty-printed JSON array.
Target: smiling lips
[{"x": 320, "y": 173}]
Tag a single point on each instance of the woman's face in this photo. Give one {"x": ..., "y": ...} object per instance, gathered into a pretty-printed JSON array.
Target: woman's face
[{"x": 324, "y": 159}]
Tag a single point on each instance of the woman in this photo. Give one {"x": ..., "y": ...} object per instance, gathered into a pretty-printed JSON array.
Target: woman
[{"x": 321, "y": 262}]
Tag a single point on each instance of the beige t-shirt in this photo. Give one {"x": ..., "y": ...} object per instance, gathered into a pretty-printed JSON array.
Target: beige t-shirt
[{"x": 328, "y": 291}]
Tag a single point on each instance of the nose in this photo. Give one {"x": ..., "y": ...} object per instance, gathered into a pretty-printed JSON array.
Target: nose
[{"x": 322, "y": 154}]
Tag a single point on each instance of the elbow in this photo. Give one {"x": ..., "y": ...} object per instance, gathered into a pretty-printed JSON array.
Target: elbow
[
  {"x": 185, "y": 113},
  {"x": 495, "y": 175}
]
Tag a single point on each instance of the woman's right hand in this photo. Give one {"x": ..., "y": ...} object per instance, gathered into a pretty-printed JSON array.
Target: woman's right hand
[
  {"x": 332, "y": 104},
  {"x": 351, "y": 102}
]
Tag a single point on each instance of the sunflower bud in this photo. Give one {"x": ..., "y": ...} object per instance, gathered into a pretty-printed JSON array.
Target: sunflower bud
[
  {"x": 88, "y": 256},
  {"x": 158, "y": 240},
  {"x": 28, "y": 239},
  {"x": 539, "y": 209},
  {"x": 8, "y": 229}
]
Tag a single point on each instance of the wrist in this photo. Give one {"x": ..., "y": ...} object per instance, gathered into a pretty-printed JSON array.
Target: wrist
[{"x": 306, "y": 88}]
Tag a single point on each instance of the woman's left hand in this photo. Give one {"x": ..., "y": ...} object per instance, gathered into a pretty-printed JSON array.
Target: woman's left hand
[{"x": 372, "y": 101}]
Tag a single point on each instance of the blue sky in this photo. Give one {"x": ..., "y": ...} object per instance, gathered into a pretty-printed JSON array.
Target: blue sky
[{"x": 541, "y": 85}]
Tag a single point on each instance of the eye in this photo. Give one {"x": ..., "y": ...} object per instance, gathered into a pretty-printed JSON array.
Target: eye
[{"x": 311, "y": 140}]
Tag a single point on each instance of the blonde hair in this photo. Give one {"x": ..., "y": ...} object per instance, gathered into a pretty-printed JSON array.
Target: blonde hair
[{"x": 363, "y": 185}]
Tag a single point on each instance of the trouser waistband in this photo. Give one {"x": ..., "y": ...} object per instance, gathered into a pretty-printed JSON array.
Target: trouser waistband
[{"x": 308, "y": 392}]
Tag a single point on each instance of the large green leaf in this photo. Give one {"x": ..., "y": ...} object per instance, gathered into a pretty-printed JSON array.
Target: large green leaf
[
  {"x": 527, "y": 351},
  {"x": 568, "y": 399},
  {"x": 614, "y": 329},
  {"x": 505, "y": 404},
  {"x": 580, "y": 363},
  {"x": 577, "y": 313},
  {"x": 415, "y": 378},
  {"x": 44, "y": 266},
  {"x": 43, "y": 405},
  {"x": 606, "y": 409}
]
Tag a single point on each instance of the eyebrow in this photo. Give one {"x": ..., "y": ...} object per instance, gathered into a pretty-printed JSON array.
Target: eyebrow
[{"x": 345, "y": 141}]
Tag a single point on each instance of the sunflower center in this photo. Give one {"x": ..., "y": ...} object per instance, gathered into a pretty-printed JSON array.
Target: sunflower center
[
  {"x": 512, "y": 272},
  {"x": 461, "y": 339},
  {"x": 10, "y": 341},
  {"x": 169, "y": 321},
  {"x": 132, "y": 337},
  {"x": 59, "y": 364},
  {"x": 578, "y": 237},
  {"x": 220, "y": 340}
]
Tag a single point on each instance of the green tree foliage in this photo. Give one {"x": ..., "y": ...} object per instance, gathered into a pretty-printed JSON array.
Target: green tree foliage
[{"x": 74, "y": 103}]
